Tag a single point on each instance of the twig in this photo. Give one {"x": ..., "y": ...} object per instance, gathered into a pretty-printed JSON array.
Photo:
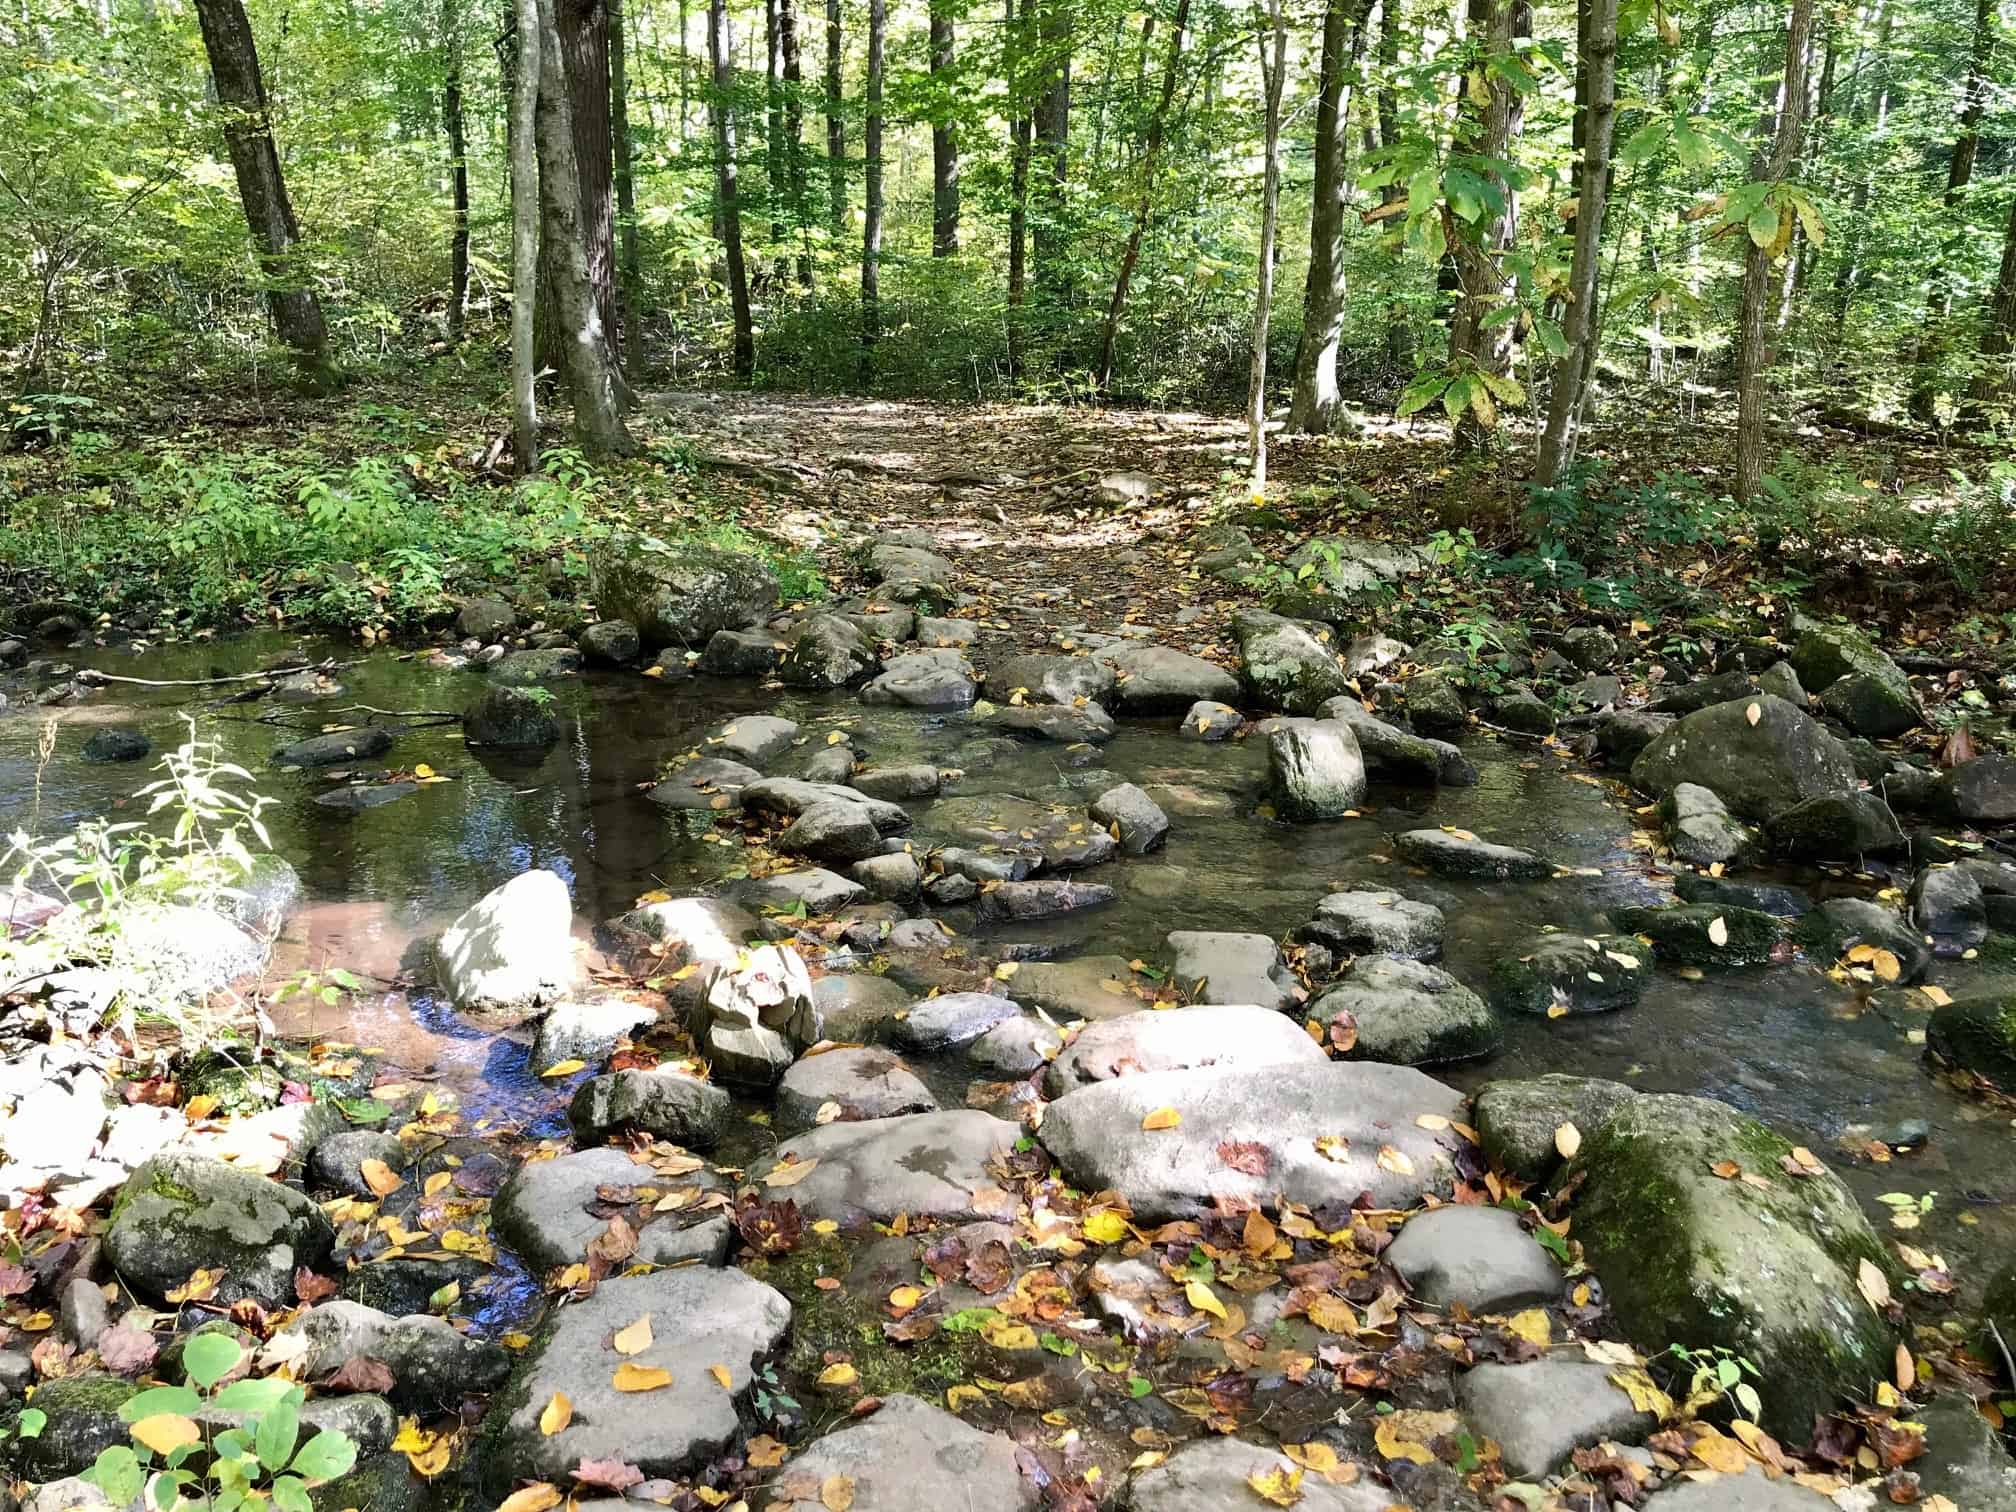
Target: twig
[
  {"x": 2007, "y": 1363},
  {"x": 271, "y": 674}
]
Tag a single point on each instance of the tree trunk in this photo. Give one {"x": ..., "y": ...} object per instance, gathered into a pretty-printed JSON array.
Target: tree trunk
[
  {"x": 1144, "y": 206},
  {"x": 1571, "y": 371},
  {"x": 774, "y": 171},
  {"x": 871, "y": 207},
  {"x": 1272, "y": 77},
  {"x": 794, "y": 133},
  {"x": 836, "y": 128},
  {"x": 248, "y": 137},
  {"x": 630, "y": 286},
  {"x": 458, "y": 167},
  {"x": 721, "y": 107},
  {"x": 1053, "y": 142},
  {"x": 1317, "y": 405},
  {"x": 1998, "y": 337},
  {"x": 587, "y": 356},
  {"x": 1021, "y": 143},
  {"x": 944, "y": 140},
  {"x": 1753, "y": 355},
  {"x": 524, "y": 239},
  {"x": 1848, "y": 276},
  {"x": 581, "y": 45},
  {"x": 1966, "y": 149},
  {"x": 1399, "y": 338},
  {"x": 1479, "y": 274}
]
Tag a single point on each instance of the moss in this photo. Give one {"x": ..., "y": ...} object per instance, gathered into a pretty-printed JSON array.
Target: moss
[{"x": 84, "y": 1421}]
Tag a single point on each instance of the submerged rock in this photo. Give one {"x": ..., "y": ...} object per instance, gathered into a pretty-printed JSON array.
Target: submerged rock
[
  {"x": 510, "y": 719},
  {"x": 1066, "y": 724},
  {"x": 1764, "y": 897},
  {"x": 117, "y": 743},
  {"x": 1978, "y": 1034},
  {"x": 1409, "y": 1014},
  {"x": 1373, "y": 921},
  {"x": 1460, "y": 855}
]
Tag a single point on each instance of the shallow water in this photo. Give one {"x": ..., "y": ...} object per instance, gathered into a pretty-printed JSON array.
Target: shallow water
[{"x": 1806, "y": 1054}]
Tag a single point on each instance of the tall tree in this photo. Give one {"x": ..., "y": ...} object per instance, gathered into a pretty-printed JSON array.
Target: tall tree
[
  {"x": 774, "y": 171},
  {"x": 458, "y": 166},
  {"x": 630, "y": 280},
  {"x": 721, "y": 108},
  {"x": 1998, "y": 336},
  {"x": 1598, "y": 67},
  {"x": 944, "y": 140},
  {"x": 1773, "y": 161},
  {"x": 587, "y": 356},
  {"x": 1273, "y": 74},
  {"x": 794, "y": 131},
  {"x": 262, "y": 190},
  {"x": 871, "y": 207},
  {"x": 1144, "y": 204},
  {"x": 524, "y": 238},
  {"x": 1021, "y": 146},
  {"x": 1316, "y": 405},
  {"x": 836, "y": 127},
  {"x": 1974, "y": 91},
  {"x": 580, "y": 44},
  {"x": 1053, "y": 143}
]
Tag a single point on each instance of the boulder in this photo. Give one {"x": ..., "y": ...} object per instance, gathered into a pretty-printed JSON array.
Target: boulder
[
  {"x": 335, "y": 748},
  {"x": 1215, "y": 966},
  {"x": 513, "y": 951},
  {"x": 1087, "y": 987},
  {"x": 910, "y": 574},
  {"x": 1704, "y": 934},
  {"x": 894, "y": 784},
  {"x": 486, "y": 620},
  {"x": 1838, "y": 925},
  {"x": 1703, "y": 693},
  {"x": 1836, "y": 827},
  {"x": 510, "y": 719},
  {"x": 1409, "y": 1014},
  {"x": 928, "y": 1165},
  {"x": 1978, "y": 1034},
  {"x": 904, "y": 1458},
  {"x": 855, "y": 1084},
  {"x": 1757, "y": 770},
  {"x": 663, "y": 1103},
  {"x": 532, "y": 669},
  {"x": 1433, "y": 705},
  {"x": 895, "y": 877},
  {"x": 1460, "y": 854},
  {"x": 1764, "y": 897},
  {"x": 1159, "y": 680},
  {"x": 337, "y": 1163},
  {"x": 1229, "y": 1036},
  {"x": 835, "y": 831},
  {"x": 1050, "y": 679},
  {"x": 1523, "y": 711},
  {"x": 819, "y": 891},
  {"x": 678, "y": 594},
  {"x": 1210, "y": 721},
  {"x": 1561, "y": 973},
  {"x": 1285, "y": 664},
  {"x": 1213, "y": 1474},
  {"x": 1354, "y": 570},
  {"x": 789, "y": 797},
  {"x": 1518, "y": 1122},
  {"x": 858, "y": 1006},
  {"x": 950, "y": 1020},
  {"x": 433, "y": 1367},
  {"x": 1281, "y": 1112},
  {"x": 1541, "y": 1412},
  {"x": 587, "y": 1032},
  {"x": 742, "y": 653},
  {"x": 1390, "y": 753},
  {"x": 1857, "y": 683},
  {"x": 1374, "y": 921},
  {"x": 611, "y": 643},
  {"x": 550, "y": 1211},
  {"x": 1481, "y": 1259},
  {"x": 1067, "y": 724},
  {"x": 1315, "y": 771},
  {"x": 1700, "y": 829},
  {"x": 706, "y": 784},
  {"x": 116, "y": 743},
  {"x": 753, "y": 739},
  {"x": 181, "y": 1212},
  {"x": 933, "y": 680},
  {"x": 1047, "y": 898},
  {"x": 1983, "y": 791},
  {"x": 756, "y": 1015},
  {"x": 1964, "y": 1460},
  {"x": 1623, "y": 733},
  {"x": 829, "y": 652},
  {"x": 1590, "y": 647},
  {"x": 1014, "y": 1047},
  {"x": 1948, "y": 905},
  {"x": 1139, "y": 820},
  {"x": 1769, "y": 1272}
]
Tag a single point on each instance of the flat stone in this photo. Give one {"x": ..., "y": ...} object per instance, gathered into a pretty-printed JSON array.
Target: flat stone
[
  {"x": 1215, "y": 966},
  {"x": 1479, "y": 1258},
  {"x": 542, "y": 1210},
  {"x": 1375, "y": 921},
  {"x": 1756, "y": 769},
  {"x": 895, "y": 877},
  {"x": 792, "y": 797},
  {"x": 336, "y": 748},
  {"x": 1752, "y": 1491},
  {"x": 935, "y": 680},
  {"x": 1212, "y": 1475},
  {"x": 586, "y": 1031},
  {"x": 1453, "y": 856},
  {"x": 707, "y": 783},
  {"x": 1139, "y": 819},
  {"x": 894, "y": 784},
  {"x": 1579, "y": 973},
  {"x": 1180, "y": 1039},
  {"x": 948, "y": 1021},
  {"x": 531, "y": 669},
  {"x": 904, "y": 1457},
  {"x": 1066, "y": 724},
  {"x": 433, "y": 1367},
  {"x": 753, "y": 739},
  {"x": 856, "y": 1005},
  {"x": 1686, "y": 933},
  {"x": 1047, "y": 898},
  {"x": 857, "y": 1084},
  {"x": 1543, "y": 1411},
  {"x": 1087, "y": 987},
  {"x": 662, "y": 1103},
  {"x": 1210, "y": 721},
  {"x": 1050, "y": 679},
  {"x": 1160, "y": 680},
  {"x": 1014, "y": 1047},
  {"x": 820, "y": 891},
  {"x": 928, "y": 1165}
]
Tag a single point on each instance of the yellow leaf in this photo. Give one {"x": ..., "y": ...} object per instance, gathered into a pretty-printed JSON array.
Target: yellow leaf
[
  {"x": 432, "y": 1460},
  {"x": 957, "y": 1397},
  {"x": 1532, "y": 1326},
  {"x": 1754, "y": 713},
  {"x": 836, "y": 1493},
  {"x": 380, "y": 1177},
  {"x": 199, "y": 1108},
  {"x": 720, "y": 1374},
  {"x": 1162, "y": 1118},
  {"x": 564, "y": 1068},
  {"x": 538, "y": 1497},
  {"x": 634, "y": 1339},
  {"x": 1104, "y": 1226},
  {"x": 165, "y": 1432},
  {"x": 765, "y": 1452},
  {"x": 904, "y": 1298},
  {"x": 1567, "y": 1140},
  {"x": 1147, "y": 1459},
  {"x": 630, "y": 1376},
  {"x": 1886, "y": 965},
  {"x": 1003, "y": 1334},
  {"x": 197, "y": 1288},
  {"x": 437, "y": 1183},
  {"x": 1939, "y": 995},
  {"x": 1873, "y": 1284},
  {"x": 1397, "y": 1161},
  {"x": 1387, "y": 1440},
  {"x": 835, "y": 737},
  {"x": 422, "y": 771},
  {"x": 1282, "y": 1486},
  {"x": 413, "y": 1439},
  {"x": 790, "y": 1174},
  {"x": 556, "y": 1415},
  {"x": 1332, "y": 1314},
  {"x": 1644, "y": 1393},
  {"x": 1204, "y": 1299},
  {"x": 840, "y": 1375},
  {"x": 1719, "y": 1453},
  {"x": 1319, "y": 1457},
  {"x": 1718, "y": 931},
  {"x": 1006, "y": 971}
]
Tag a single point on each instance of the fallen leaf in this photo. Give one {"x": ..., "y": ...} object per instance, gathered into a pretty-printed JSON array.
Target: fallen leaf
[
  {"x": 1567, "y": 1141},
  {"x": 1873, "y": 1284},
  {"x": 1104, "y": 1226},
  {"x": 839, "y": 1375},
  {"x": 836, "y": 1493},
  {"x": 1201, "y": 1297},
  {"x": 1387, "y": 1440},
  {"x": 537, "y": 1497},
  {"x": 634, "y": 1339},
  {"x": 556, "y": 1414},
  {"x": 1754, "y": 713},
  {"x": 790, "y": 1174},
  {"x": 1720, "y": 1453},
  {"x": 1282, "y": 1485},
  {"x": 765, "y": 1452},
  {"x": 630, "y": 1376},
  {"x": 1718, "y": 931},
  {"x": 608, "y": 1475},
  {"x": 564, "y": 1068},
  {"x": 1532, "y": 1326},
  {"x": 1395, "y": 1160},
  {"x": 1162, "y": 1118}
]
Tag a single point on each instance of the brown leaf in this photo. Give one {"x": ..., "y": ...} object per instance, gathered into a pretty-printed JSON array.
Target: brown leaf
[
  {"x": 126, "y": 1351},
  {"x": 1246, "y": 1155},
  {"x": 608, "y": 1474},
  {"x": 361, "y": 1373},
  {"x": 310, "y": 1288}
]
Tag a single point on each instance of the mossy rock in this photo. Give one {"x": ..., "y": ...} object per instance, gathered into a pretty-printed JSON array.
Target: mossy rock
[
  {"x": 1767, "y": 1271},
  {"x": 83, "y": 1422},
  {"x": 1576, "y": 973},
  {"x": 1978, "y": 1034},
  {"x": 182, "y": 1212},
  {"x": 1517, "y": 1121},
  {"x": 1684, "y": 933},
  {"x": 382, "y": 1483}
]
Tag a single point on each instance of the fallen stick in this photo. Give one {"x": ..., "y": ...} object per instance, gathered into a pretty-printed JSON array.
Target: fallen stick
[{"x": 271, "y": 674}]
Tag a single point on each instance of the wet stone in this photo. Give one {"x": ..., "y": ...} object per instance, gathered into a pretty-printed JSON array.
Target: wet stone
[
  {"x": 1315, "y": 771},
  {"x": 1087, "y": 987},
  {"x": 1139, "y": 819},
  {"x": 1050, "y": 679},
  {"x": 1047, "y": 898},
  {"x": 753, "y": 739},
  {"x": 1180, "y": 1039},
  {"x": 895, "y": 877},
  {"x": 587, "y": 1032},
  {"x": 1215, "y": 966},
  {"x": 934, "y": 680},
  {"x": 1518, "y": 1121},
  {"x": 1541, "y": 1412},
  {"x": 1374, "y": 921},
  {"x": 821, "y": 892},
  {"x": 1453, "y": 855},
  {"x": 1947, "y": 904},
  {"x": 929, "y": 1165},
  {"x": 1836, "y": 827},
  {"x": 360, "y": 744},
  {"x": 1764, "y": 897},
  {"x": 856, "y": 1084},
  {"x": 513, "y": 950},
  {"x": 529, "y": 669},
  {"x": 1159, "y": 680},
  {"x": 858, "y": 1006},
  {"x": 741, "y": 653},
  {"x": 1409, "y": 1014},
  {"x": 1700, "y": 829},
  {"x": 1209, "y": 721},
  {"x": 1572, "y": 973},
  {"x": 1685, "y": 933},
  {"x": 543, "y": 1211},
  {"x": 834, "y": 831},
  {"x": 336, "y": 1162},
  {"x": 895, "y": 784},
  {"x": 951, "y": 1020},
  {"x": 1837, "y": 926},
  {"x": 829, "y": 652},
  {"x": 1525, "y": 712},
  {"x": 1014, "y": 1047},
  {"x": 1478, "y": 1258},
  {"x": 1065, "y": 724},
  {"x": 117, "y": 743},
  {"x": 663, "y": 1103}
]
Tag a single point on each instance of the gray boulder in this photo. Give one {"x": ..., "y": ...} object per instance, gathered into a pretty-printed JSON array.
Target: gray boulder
[
  {"x": 1014, "y": 1047},
  {"x": 532, "y": 669},
  {"x": 1217, "y": 966},
  {"x": 1228, "y": 1036},
  {"x": 1983, "y": 791},
  {"x": 1087, "y": 987},
  {"x": 835, "y": 831},
  {"x": 513, "y": 951},
  {"x": 335, "y": 748},
  {"x": 1046, "y": 898},
  {"x": 336, "y": 1163},
  {"x": 1315, "y": 771},
  {"x": 1838, "y": 925},
  {"x": 1624, "y": 733},
  {"x": 818, "y": 891},
  {"x": 905, "y": 1456},
  {"x": 1701, "y": 829},
  {"x": 1693, "y": 697},
  {"x": 1067, "y": 724},
  {"x": 1458, "y": 855},
  {"x": 1374, "y": 921},
  {"x": 910, "y": 574},
  {"x": 894, "y": 784},
  {"x": 1518, "y": 1122},
  {"x": 663, "y": 1103},
  {"x": 1141, "y": 824},
  {"x": 510, "y": 719},
  {"x": 1286, "y": 665},
  {"x": 829, "y": 652},
  {"x": 895, "y": 877},
  {"x": 1409, "y": 1014},
  {"x": 550, "y": 1211},
  {"x": 753, "y": 739},
  {"x": 706, "y": 784},
  {"x": 611, "y": 643},
  {"x": 741, "y": 653},
  {"x": 1212, "y": 1474},
  {"x": 1964, "y": 1460},
  {"x": 182, "y": 1212},
  {"x": 1571, "y": 973},
  {"x": 940, "y": 680},
  {"x": 1947, "y": 904},
  {"x": 1210, "y": 721},
  {"x": 1433, "y": 705},
  {"x": 1478, "y": 1258},
  {"x": 857, "y": 1006},
  {"x": 1390, "y": 753},
  {"x": 1758, "y": 769},
  {"x": 1050, "y": 679},
  {"x": 1978, "y": 1034},
  {"x": 486, "y": 619},
  {"x": 1541, "y": 1412},
  {"x": 1159, "y": 680},
  {"x": 1780, "y": 681},
  {"x": 951, "y": 1020},
  {"x": 433, "y": 1367},
  {"x": 855, "y": 1084},
  {"x": 1524, "y": 711},
  {"x": 1590, "y": 647},
  {"x": 929, "y": 1165},
  {"x": 116, "y": 743},
  {"x": 1836, "y": 827},
  {"x": 587, "y": 1032},
  {"x": 679, "y": 594}
]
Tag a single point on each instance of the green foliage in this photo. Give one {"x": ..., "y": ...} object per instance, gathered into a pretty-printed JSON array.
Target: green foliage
[
  {"x": 183, "y": 1465},
  {"x": 1713, "y": 1374}
]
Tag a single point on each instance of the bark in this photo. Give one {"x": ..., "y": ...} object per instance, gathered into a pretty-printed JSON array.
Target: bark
[
  {"x": 1053, "y": 143},
  {"x": 1848, "y": 276},
  {"x": 262, "y": 190},
  {"x": 1998, "y": 338},
  {"x": 794, "y": 132},
  {"x": 587, "y": 357},
  {"x": 944, "y": 140},
  {"x": 1317, "y": 405},
  {"x": 524, "y": 239},
  {"x": 720, "y": 106},
  {"x": 1151, "y": 159},
  {"x": 458, "y": 167},
  {"x": 580, "y": 43},
  {"x": 1598, "y": 65},
  {"x": 774, "y": 171},
  {"x": 836, "y": 127},
  {"x": 1272, "y": 77},
  {"x": 1753, "y": 355},
  {"x": 630, "y": 284},
  {"x": 1399, "y": 338},
  {"x": 871, "y": 208},
  {"x": 1021, "y": 145}
]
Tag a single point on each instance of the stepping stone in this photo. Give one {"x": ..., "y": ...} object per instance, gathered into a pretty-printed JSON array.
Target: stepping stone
[
  {"x": 1837, "y": 926},
  {"x": 1749, "y": 1492},
  {"x": 939, "y": 680},
  {"x": 858, "y": 1084},
  {"x": 360, "y": 744},
  {"x": 894, "y": 878},
  {"x": 1517, "y": 1121},
  {"x": 1216, "y": 1474},
  {"x": 1315, "y": 770},
  {"x": 858, "y": 1006},
  {"x": 1373, "y": 921},
  {"x": 1478, "y": 1258},
  {"x": 587, "y": 1032},
  {"x": 1085, "y": 987},
  {"x": 1685, "y": 933},
  {"x": 707, "y": 782},
  {"x": 893, "y": 784},
  {"x": 905, "y": 1458},
  {"x": 1014, "y": 1047},
  {"x": 1180, "y": 1039},
  {"x": 1409, "y": 1014},
  {"x": 666, "y": 1104},
  {"x": 1542, "y": 1412},
  {"x": 1139, "y": 819},
  {"x": 1050, "y": 679},
  {"x": 741, "y": 653},
  {"x": 1159, "y": 680},
  {"x": 929, "y": 1165},
  {"x": 752, "y": 738},
  {"x": 1022, "y": 902},
  {"x": 701, "y": 1321},
  {"x": 357, "y": 798},
  {"x": 1572, "y": 973},
  {"x": 1455, "y": 855},
  {"x": 1220, "y": 967},
  {"x": 1783, "y": 902},
  {"x": 789, "y": 797},
  {"x": 821, "y": 891},
  {"x": 542, "y": 1210},
  {"x": 1280, "y": 1112},
  {"x": 951, "y": 1020},
  {"x": 1210, "y": 721},
  {"x": 1063, "y": 723}
]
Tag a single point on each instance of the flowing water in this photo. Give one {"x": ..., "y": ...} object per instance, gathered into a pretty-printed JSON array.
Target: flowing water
[{"x": 1827, "y": 1065}]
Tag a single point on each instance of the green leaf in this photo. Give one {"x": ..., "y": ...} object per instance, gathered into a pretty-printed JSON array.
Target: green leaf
[
  {"x": 325, "y": 1456},
  {"x": 1644, "y": 143},
  {"x": 970, "y": 1319},
  {"x": 31, "y": 1423},
  {"x": 278, "y": 1430},
  {"x": 290, "y": 1494},
  {"x": 1421, "y": 393},
  {"x": 1457, "y": 396},
  {"x": 1763, "y": 225},
  {"x": 156, "y": 1400},
  {"x": 1139, "y": 1386},
  {"x": 1505, "y": 387},
  {"x": 1057, "y": 1344},
  {"x": 207, "y": 1359},
  {"x": 117, "y": 1473},
  {"x": 1810, "y": 219},
  {"x": 253, "y": 1394},
  {"x": 1749, "y": 1401},
  {"x": 1550, "y": 338}
]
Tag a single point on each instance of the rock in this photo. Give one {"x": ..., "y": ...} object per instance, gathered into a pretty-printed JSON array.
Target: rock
[
  {"x": 677, "y": 595},
  {"x": 929, "y": 1165},
  {"x": 1063, "y": 723},
  {"x": 548, "y": 1211},
  {"x": 741, "y": 653},
  {"x": 83, "y": 1421},
  {"x": 1212, "y": 1475},
  {"x": 946, "y": 632},
  {"x": 790, "y": 797},
  {"x": 84, "y": 1314},
  {"x": 1355, "y": 570},
  {"x": 1685, "y": 933},
  {"x": 1837, "y": 926},
  {"x": 1460, "y": 855},
  {"x": 1209, "y": 721},
  {"x": 829, "y": 652},
  {"x": 1391, "y": 754},
  {"x": 1540, "y": 1413},
  {"x": 335, "y": 748},
  {"x": 752, "y": 739},
  {"x": 701, "y": 1320},
  {"x": 705, "y": 933},
  {"x": 1014, "y": 1047},
  {"x": 1096, "y": 1135},
  {"x": 611, "y": 643},
  {"x": 832, "y": 764},
  {"x": 1983, "y": 791},
  {"x": 182, "y": 1212},
  {"x": 1590, "y": 647},
  {"x": 1409, "y": 1014},
  {"x": 531, "y": 669},
  {"x": 1215, "y": 966},
  {"x": 587, "y": 1032},
  {"x": 70, "y": 1493},
  {"x": 858, "y": 1084},
  {"x": 1160, "y": 680},
  {"x": 1978, "y": 1034},
  {"x": 858, "y": 1006},
  {"x": 904, "y": 1456},
  {"x": 511, "y": 719},
  {"x": 834, "y": 831},
  {"x": 1433, "y": 706},
  {"x": 1285, "y": 664},
  {"x": 1596, "y": 692},
  {"x": 1524, "y": 711},
  {"x": 1373, "y": 921},
  {"x": 910, "y": 574},
  {"x": 1767, "y": 1272},
  {"x": 893, "y": 784},
  {"x": 1782, "y": 902},
  {"x": 1857, "y": 683},
  {"x": 1042, "y": 836},
  {"x": 433, "y": 1367},
  {"x": 1964, "y": 1460},
  {"x": 1228, "y": 1036},
  {"x": 336, "y": 1163},
  {"x": 1315, "y": 771},
  {"x": 1518, "y": 1122},
  {"x": 1757, "y": 770},
  {"x": 1700, "y": 829},
  {"x": 117, "y": 743},
  {"x": 663, "y": 1103},
  {"x": 1087, "y": 987},
  {"x": 1947, "y": 904},
  {"x": 1022, "y": 902},
  {"x": 706, "y": 784},
  {"x": 936, "y": 680},
  {"x": 946, "y": 1022},
  {"x": 1050, "y": 679},
  {"x": 514, "y": 950},
  {"x": 1704, "y": 693},
  {"x": 821, "y": 891},
  {"x": 357, "y": 799},
  {"x": 1124, "y": 490},
  {"x": 1139, "y": 819},
  {"x": 1481, "y": 1259},
  {"x": 895, "y": 877},
  {"x": 486, "y": 620},
  {"x": 756, "y": 1015},
  {"x": 1836, "y": 827},
  {"x": 1780, "y": 681},
  {"x": 1624, "y": 733},
  {"x": 1572, "y": 972}
]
